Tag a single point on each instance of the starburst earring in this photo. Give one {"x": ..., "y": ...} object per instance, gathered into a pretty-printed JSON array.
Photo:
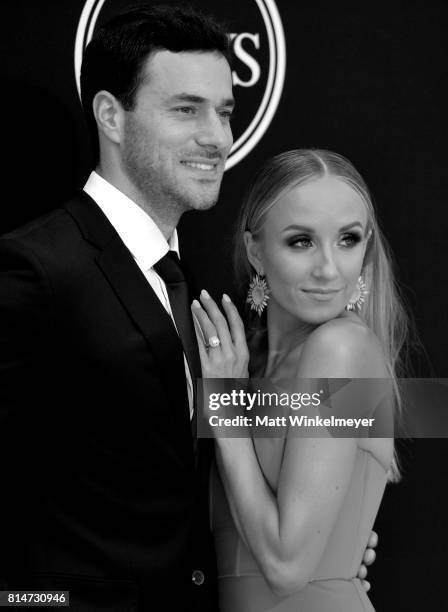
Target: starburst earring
[
  {"x": 258, "y": 294},
  {"x": 359, "y": 296}
]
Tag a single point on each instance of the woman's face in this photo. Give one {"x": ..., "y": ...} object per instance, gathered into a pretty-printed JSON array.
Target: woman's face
[{"x": 311, "y": 249}]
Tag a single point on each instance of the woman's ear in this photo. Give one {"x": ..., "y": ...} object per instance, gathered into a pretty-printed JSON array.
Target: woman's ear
[{"x": 253, "y": 252}]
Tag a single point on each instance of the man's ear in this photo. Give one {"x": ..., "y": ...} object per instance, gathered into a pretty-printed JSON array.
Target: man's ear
[
  {"x": 253, "y": 252},
  {"x": 109, "y": 115}
]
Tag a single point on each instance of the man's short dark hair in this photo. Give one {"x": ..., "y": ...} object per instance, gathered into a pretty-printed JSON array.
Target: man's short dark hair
[{"x": 114, "y": 58}]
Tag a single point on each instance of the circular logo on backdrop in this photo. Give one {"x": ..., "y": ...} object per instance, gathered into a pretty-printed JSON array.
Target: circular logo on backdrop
[{"x": 258, "y": 42}]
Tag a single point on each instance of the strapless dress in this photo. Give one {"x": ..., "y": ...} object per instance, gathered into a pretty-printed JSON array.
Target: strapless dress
[{"x": 333, "y": 586}]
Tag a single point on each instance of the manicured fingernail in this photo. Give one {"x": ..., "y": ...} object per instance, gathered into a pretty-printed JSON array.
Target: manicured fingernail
[
  {"x": 205, "y": 294},
  {"x": 196, "y": 304},
  {"x": 226, "y": 298}
]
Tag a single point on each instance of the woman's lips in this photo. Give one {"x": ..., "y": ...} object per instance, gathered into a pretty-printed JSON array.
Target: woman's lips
[
  {"x": 321, "y": 294},
  {"x": 320, "y": 290}
]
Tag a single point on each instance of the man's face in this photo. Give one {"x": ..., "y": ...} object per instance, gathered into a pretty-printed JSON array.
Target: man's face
[{"x": 178, "y": 136}]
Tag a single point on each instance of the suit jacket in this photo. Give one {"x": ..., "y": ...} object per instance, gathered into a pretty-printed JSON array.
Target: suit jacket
[{"x": 103, "y": 496}]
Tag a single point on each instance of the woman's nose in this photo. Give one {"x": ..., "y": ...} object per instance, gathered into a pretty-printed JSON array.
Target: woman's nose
[{"x": 325, "y": 265}]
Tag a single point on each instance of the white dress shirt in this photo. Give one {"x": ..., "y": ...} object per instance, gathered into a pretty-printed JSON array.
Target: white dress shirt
[{"x": 142, "y": 238}]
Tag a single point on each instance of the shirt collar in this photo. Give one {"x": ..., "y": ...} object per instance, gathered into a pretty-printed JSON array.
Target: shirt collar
[{"x": 137, "y": 230}]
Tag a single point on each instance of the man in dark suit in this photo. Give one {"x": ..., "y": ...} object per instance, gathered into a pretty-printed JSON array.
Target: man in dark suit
[{"x": 103, "y": 494}]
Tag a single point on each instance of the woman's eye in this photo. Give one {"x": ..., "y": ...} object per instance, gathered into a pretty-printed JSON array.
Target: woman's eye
[
  {"x": 350, "y": 240},
  {"x": 300, "y": 242}
]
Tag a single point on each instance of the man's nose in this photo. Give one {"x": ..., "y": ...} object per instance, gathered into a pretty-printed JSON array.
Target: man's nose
[
  {"x": 215, "y": 132},
  {"x": 325, "y": 265}
]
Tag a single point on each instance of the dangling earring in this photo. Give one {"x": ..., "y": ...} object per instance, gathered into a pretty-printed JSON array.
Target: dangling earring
[
  {"x": 258, "y": 294},
  {"x": 359, "y": 296}
]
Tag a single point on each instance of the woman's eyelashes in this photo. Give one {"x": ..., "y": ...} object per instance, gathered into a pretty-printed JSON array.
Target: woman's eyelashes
[
  {"x": 300, "y": 242},
  {"x": 305, "y": 241},
  {"x": 351, "y": 239}
]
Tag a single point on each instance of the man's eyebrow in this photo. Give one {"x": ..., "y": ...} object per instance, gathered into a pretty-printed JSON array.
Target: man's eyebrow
[
  {"x": 186, "y": 97},
  {"x": 302, "y": 228}
]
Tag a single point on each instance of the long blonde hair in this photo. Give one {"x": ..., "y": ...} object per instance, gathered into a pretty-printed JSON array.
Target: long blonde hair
[{"x": 383, "y": 311}]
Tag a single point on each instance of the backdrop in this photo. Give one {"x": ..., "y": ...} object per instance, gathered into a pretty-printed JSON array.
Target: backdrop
[{"x": 367, "y": 80}]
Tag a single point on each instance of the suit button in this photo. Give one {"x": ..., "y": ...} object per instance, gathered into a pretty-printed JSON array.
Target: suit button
[{"x": 198, "y": 577}]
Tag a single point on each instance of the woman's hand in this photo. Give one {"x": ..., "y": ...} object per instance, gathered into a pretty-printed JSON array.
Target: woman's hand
[
  {"x": 221, "y": 339},
  {"x": 368, "y": 559}
]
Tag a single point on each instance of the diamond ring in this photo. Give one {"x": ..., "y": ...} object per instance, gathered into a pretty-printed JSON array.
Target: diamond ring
[{"x": 213, "y": 342}]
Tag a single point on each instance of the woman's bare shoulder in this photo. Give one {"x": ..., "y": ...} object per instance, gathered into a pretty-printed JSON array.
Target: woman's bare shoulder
[{"x": 343, "y": 347}]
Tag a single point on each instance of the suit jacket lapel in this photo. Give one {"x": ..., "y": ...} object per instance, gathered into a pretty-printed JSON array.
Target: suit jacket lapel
[{"x": 137, "y": 297}]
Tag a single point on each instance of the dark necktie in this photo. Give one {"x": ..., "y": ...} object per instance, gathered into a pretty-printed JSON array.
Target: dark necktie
[{"x": 170, "y": 270}]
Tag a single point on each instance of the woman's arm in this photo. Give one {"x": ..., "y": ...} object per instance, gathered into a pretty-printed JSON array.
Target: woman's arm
[{"x": 287, "y": 532}]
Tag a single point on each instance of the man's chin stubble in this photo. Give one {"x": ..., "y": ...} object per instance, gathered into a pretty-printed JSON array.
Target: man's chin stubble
[{"x": 200, "y": 203}]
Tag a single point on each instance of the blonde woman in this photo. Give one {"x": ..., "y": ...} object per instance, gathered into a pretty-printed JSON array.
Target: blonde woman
[{"x": 292, "y": 526}]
